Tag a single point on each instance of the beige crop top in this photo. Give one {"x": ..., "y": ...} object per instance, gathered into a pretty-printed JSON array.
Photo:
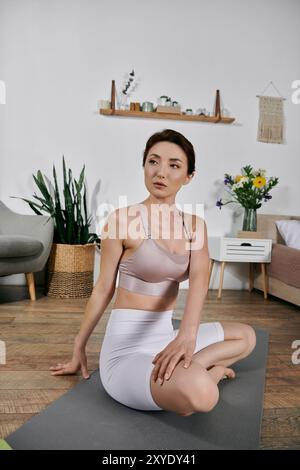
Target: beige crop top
[{"x": 151, "y": 269}]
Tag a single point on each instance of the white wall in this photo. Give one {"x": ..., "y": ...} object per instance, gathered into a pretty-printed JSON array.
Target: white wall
[{"x": 58, "y": 58}]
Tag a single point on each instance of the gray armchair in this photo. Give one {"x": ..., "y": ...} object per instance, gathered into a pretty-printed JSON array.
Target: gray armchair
[{"x": 25, "y": 244}]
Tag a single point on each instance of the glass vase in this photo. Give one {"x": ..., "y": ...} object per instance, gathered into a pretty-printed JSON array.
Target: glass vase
[
  {"x": 249, "y": 222},
  {"x": 122, "y": 101}
]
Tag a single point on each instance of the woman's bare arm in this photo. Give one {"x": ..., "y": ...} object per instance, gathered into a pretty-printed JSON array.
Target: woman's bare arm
[
  {"x": 198, "y": 280},
  {"x": 103, "y": 291}
]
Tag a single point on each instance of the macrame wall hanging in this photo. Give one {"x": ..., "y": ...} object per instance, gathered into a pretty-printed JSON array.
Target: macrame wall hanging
[{"x": 270, "y": 124}]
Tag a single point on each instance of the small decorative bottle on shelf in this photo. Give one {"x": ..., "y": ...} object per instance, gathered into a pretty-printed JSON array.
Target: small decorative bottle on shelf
[{"x": 122, "y": 101}]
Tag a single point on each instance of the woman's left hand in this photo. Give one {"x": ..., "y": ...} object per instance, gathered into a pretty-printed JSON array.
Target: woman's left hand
[{"x": 181, "y": 347}]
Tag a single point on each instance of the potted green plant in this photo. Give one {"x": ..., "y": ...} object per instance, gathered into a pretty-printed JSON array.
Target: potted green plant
[
  {"x": 70, "y": 267},
  {"x": 248, "y": 189}
]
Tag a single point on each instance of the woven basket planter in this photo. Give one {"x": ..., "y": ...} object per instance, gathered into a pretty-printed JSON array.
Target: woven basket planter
[{"x": 70, "y": 271}]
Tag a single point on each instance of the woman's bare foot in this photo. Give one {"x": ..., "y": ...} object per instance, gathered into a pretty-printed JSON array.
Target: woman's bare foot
[
  {"x": 228, "y": 373},
  {"x": 219, "y": 372}
]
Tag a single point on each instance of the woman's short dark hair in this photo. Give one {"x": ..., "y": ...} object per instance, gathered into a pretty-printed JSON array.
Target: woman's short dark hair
[{"x": 169, "y": 135}]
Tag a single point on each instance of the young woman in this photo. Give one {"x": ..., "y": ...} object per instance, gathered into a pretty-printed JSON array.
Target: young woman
[{"x": 144, "y": 363}]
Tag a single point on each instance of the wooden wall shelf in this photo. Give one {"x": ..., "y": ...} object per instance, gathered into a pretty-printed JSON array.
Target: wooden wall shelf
[{"x": 157, "y": 115}]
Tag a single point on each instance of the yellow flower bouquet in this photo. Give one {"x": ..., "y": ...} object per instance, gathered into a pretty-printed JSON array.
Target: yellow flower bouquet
[{"x": 249, "y": 189}]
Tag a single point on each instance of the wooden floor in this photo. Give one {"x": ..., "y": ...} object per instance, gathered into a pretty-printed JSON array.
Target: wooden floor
[{"x": 40, "y": 334}]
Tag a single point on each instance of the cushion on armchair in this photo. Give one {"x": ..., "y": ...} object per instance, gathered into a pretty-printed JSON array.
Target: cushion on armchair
[
  {"x": 13, "y": 246},
  {"x": 290, "y": 232},
  {"x": 285, "y": 264}
]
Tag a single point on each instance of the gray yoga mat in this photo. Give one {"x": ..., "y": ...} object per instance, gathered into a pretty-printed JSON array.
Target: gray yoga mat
[{"x": 87, "y": 418}]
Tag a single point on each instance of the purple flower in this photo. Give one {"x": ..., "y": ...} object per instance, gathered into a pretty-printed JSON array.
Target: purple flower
[
  {"x": 227, "y": 180},
  {"x": 219, "y": 203}
]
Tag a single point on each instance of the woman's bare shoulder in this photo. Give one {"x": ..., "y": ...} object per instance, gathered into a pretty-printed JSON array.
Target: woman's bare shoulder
[
  {"x": 130, "y": 227},
  {"x": 125, "y": 216},
  {"x": 128, "y": 212},
  {"x": 194, "y": 222},
  {"x": 121, "y": 212}
]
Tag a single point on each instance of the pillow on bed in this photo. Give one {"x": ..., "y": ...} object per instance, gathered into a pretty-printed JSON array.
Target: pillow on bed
[{"x": 290, "y": 232}]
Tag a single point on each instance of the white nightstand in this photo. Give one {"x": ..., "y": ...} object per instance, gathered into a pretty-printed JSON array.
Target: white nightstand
[{"x": 240, "y": 250}]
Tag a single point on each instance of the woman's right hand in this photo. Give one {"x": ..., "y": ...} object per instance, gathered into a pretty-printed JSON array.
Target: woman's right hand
[{"x": 78, "y": 361}]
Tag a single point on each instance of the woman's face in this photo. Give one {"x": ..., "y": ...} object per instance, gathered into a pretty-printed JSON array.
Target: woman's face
[{"x": 167, "y": 163}]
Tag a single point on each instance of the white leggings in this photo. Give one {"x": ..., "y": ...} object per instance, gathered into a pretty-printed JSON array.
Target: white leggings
[{"x": 131, "y": 341}]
